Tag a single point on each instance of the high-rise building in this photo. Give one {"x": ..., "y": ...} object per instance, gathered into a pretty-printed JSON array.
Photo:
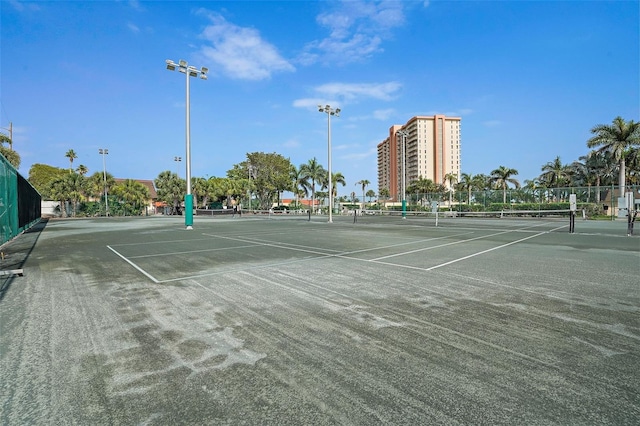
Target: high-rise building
[{"x": 432, "y": 151}]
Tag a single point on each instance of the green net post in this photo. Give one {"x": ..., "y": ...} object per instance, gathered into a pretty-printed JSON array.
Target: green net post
[{"x": 188, "y": 211}]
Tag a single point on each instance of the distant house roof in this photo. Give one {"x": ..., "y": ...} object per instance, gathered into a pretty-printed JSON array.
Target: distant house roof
[
  {"x": 304, "y": 202},
  {"x": 145, "y": 182}
]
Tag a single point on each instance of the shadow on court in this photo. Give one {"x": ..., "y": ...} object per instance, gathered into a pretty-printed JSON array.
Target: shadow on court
[{"x": 16, "y": 253}]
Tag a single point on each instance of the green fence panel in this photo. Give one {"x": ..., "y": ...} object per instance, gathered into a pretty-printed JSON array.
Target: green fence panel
[{"x": 20, "y": 203}]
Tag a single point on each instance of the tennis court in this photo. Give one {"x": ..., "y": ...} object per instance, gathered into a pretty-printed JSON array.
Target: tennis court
[{"x": 287, "y": 319}]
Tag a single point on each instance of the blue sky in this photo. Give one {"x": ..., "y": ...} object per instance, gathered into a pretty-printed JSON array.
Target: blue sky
[{"x": 529, "y": 79}]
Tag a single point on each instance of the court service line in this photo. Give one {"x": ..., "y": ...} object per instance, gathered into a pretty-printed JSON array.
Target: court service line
[
  {"x": 134, "y": 265},
  {"x": 456, "y": 242},
  {"x": 471, "y": 255},
  {"x": 320, "y": 255},
  {"x": 344, "y": 254},
  {"x": 441, "y": 245}
]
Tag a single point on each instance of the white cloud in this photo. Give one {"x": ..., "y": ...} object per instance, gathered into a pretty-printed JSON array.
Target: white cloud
[
  {"x": 291, "y": 143},
  {"x": 240, "y": 52},
  {"x": 380, "y": 115},
  {"x": 356, "y": 31},
  {"x": 373, "y": 151},
  {"x": 133, "y": 28},
  {"x": 135, "y": 4},
  {"x": 492, "y": 123},
  {"x": 351, "y": 91},
  {"x": 24, "y": 6},
  {"x": 337, "y": 94},
  {"x": 383, "y": 114},
  {"x": 312, "y": 103}
]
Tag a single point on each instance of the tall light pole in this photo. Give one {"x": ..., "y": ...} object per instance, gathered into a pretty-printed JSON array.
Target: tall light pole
[
  {"x": 329, "y": 111},
  {"x": 404, "y": 173},
  {"x": 177, "y": 160},
  {"x": 250, "y": 170},
  {"x": 104, "y": 152},
  {"x": 189, "y": 71}
]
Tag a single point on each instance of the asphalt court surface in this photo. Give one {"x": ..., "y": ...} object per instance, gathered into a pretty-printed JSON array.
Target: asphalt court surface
[
  {"x": 415, "y": 247},
  {"x": 284, "y": 320}
]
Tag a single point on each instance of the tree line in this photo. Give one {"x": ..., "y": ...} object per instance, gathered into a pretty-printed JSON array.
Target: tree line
[
  {"x": 261, "y": 178},
  {"x": 615, "y": 159}
]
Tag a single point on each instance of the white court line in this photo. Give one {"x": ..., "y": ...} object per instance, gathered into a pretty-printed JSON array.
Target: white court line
[
  {"x": 338, "y": 254},
  {"x": 459, "y": 242},
  {"x": 320, "y": 255},
  {"x": 471, "y": 255},
  {"x": 344, "y": 255},
  {"x": 134, "y": 265}
]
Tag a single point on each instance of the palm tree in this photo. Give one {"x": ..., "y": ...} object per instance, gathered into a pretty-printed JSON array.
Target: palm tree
[
  {"x": 59, "y": 190},
  {"x": 171, "y": 189},
  {"x": 82, "y": 170},
  {"x": 211, "y": 190},
  {"x": 530, "y": 186},
  {"x": 75, "y": 186},
  {"x": 616, "y": 139},
  {"x": 71, "y": 155},
  {"x": 133, "y": 195},
  {"x": 598, "y": 166},
  {"x": 371, "y": 193},
  {"x": 300, "y": 183},
  {"x": 451, "y": 178},
  {"x": 315, "y": 172},
  {"x": 501, "y": 177},
  {"x": 336, "y": 178},
  {"x": 554, "y": 173},
  {"x": 322, "y": 195},
  {"x": 198, "y": 189},
  {"x": 422, "y": 186},
  {"x": 216, "y": 188},
  {"x": 95, "y": 185},
  {"x": 633, "y": 158},
  {"x": 466, "y": 183},
  {"x": 364, "y": 184}
]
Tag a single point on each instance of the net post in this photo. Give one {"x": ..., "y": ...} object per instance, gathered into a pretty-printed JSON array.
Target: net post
[
  {"x": 573, "y": 206},
  {"x": 631, "y": 213}
]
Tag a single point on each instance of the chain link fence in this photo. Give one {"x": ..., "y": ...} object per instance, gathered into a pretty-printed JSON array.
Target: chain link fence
[{"x": 594, "y": 201}]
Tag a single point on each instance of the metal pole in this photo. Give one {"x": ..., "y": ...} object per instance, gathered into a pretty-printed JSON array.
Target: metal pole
[
  {"x": 104, "y": 152},
  {"x": 188, "y": 199},
  {"x": 329, "y": 154}
]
